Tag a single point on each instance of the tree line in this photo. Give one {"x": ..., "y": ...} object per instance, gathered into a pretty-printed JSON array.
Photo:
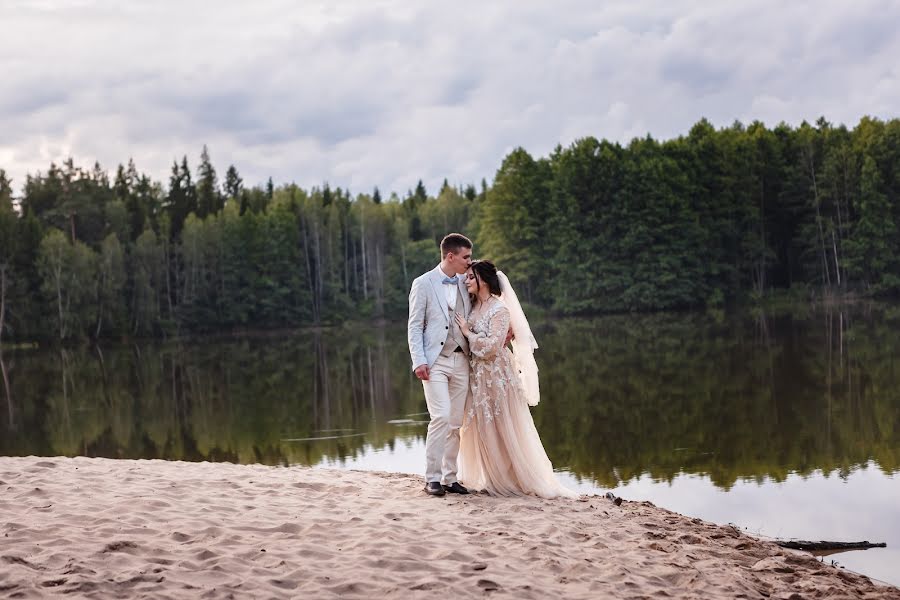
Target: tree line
[{"x": 705, "y": 219}]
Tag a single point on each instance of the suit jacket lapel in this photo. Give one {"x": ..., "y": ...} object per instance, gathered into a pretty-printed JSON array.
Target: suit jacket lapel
[
  {"x": 465, "y": 295},
  {"x": 438, "y": 286}
]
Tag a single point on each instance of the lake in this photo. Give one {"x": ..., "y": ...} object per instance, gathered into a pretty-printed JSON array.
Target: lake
[{"x": 785, "y": 425}]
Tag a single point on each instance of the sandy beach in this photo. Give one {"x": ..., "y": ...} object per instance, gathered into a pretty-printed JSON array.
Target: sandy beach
[{"x": 101, "y": 528}]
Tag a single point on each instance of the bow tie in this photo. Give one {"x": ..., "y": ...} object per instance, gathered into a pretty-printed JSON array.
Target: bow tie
[{"x": 451, "y": 280}]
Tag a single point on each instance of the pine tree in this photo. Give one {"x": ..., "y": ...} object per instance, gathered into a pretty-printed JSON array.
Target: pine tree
[
  {"x": 182, "y": 197},
  {"x": 233, "y": 183},
  {"x": 209, "y": 200},
  {"x": 420, "y": 196}
]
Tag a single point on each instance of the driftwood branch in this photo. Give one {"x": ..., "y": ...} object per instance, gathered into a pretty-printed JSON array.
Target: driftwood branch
[{"x": 818, "y": 546}]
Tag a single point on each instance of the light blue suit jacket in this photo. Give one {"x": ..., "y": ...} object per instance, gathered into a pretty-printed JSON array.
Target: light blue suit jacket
[{"x": 429, "y": 316}]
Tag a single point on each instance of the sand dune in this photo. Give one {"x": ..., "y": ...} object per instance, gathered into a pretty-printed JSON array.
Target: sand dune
[{"x": 121, "y": 528}]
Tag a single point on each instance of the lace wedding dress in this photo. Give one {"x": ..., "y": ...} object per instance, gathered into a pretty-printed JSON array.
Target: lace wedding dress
[{"x": 500, "y": 449}]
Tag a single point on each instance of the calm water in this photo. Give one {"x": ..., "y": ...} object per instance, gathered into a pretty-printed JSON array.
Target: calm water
[{"x": 786, "y": 426}]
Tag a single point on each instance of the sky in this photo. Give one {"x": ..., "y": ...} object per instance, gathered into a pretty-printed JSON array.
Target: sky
[{"x": 384, "y": 93}]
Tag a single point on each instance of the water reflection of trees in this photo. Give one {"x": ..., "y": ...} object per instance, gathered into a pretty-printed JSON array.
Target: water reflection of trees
[
  {"x": 7, "y": 393},
  {"x": 227, "y": 400},
  {"x": 760, "y": 396},
  {"x": 755, "y": 397}
]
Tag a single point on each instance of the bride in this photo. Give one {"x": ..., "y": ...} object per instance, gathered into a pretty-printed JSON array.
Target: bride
[{"x": 500, "y": 449}]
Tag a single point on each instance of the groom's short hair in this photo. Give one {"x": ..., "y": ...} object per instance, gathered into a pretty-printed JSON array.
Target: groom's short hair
[{"x": 454, "y": 242}]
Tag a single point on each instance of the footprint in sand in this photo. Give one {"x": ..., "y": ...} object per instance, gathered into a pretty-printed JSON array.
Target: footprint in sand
[
  {"x": 316, "y": 487},
  {"x": 119, "y": 546},
  {"x": 17, "y": 560},
  {"x": 180, "y": 537},
  {"x": 287, "y": 584},
  {"x": 205, "y": 554},
  {"x": 690, "y": 539},
  {"x": 427, "y": 586},
  {"x": 488, "y": 585},
  {"x": 397, "y": 516}
]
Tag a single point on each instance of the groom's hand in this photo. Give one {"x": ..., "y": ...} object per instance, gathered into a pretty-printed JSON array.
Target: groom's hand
[{"x": 422, "y": 372}]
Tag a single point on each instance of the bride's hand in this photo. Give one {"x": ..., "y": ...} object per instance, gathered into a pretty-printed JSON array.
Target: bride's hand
[{"x": 463, "y": 326}]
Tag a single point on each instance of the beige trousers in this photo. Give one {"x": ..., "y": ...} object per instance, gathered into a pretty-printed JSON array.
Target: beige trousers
[{"x": 445, "y": 396}]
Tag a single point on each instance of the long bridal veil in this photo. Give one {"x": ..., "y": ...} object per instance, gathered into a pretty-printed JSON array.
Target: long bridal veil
[{"x": 523, "y": 344}]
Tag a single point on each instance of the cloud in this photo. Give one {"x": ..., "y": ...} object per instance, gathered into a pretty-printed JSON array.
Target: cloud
[{"x": 383, "y": 93}]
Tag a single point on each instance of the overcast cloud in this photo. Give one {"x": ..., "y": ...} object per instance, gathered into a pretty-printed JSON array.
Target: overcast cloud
[{"x": 383, "y": 93}]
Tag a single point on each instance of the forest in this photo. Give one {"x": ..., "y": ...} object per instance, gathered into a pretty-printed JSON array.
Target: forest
[{"x": 707, "y": 219}]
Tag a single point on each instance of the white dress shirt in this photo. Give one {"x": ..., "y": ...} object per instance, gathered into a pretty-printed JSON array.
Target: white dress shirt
[{"x": 449, "y": 290}]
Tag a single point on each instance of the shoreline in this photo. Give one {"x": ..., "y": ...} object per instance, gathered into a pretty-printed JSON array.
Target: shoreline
[
  {"x": 775, "y": 302},
  {"x": 114, "y": 527}
]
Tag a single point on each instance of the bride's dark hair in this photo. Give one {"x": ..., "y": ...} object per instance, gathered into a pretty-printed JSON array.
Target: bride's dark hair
[{"x": 486, "y": 272}]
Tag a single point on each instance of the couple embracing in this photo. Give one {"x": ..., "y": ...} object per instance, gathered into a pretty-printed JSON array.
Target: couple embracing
[{"x": 462, "y": 315}]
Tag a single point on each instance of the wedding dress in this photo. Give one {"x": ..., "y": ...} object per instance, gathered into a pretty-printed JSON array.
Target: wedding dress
[{"x": 500, "y": 449}]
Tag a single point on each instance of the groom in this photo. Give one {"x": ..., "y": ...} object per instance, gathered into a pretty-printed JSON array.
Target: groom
[{"x": 439, "y": 353}]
